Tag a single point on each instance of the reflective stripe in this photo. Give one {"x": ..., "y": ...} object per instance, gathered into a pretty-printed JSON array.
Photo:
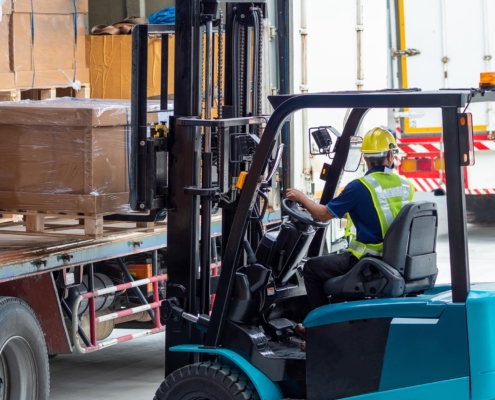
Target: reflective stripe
[
  {"x": 383, "y": 195},
  {"x": 373, "y": 253},
  {"x": 362, "y": 249},
  {"x": 357, "y": 247},
  {"x": 388, "y": 202},
  {"x": 406, "y": 191}
]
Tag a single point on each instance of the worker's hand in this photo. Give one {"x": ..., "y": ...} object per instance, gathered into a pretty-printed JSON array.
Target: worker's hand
[{"x": 294, "y": 195}]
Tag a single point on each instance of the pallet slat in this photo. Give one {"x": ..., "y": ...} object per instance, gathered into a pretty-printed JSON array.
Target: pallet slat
[
  {"x": 69, "y": 225},
  {"x": 45, "y": 93}
]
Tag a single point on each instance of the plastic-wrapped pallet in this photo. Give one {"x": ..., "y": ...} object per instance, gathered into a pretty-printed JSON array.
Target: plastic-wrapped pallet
[{"x": 65, "y": 156}]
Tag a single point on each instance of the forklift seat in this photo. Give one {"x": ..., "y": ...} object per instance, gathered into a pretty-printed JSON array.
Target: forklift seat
[{"x": 409, "y": 262}]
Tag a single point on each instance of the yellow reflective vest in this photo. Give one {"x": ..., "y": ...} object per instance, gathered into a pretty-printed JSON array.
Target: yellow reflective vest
[{"x": 390, "y": 192}]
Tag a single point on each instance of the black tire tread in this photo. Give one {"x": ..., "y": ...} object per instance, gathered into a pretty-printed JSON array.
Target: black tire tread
[
  {"x": 238, "y": 383},
  {"x": 6, "y": 302}
]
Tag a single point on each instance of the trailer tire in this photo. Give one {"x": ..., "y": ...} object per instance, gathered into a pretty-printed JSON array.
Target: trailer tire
[
  {"x": 24, "y": 368},
  {"x": 206, "y": 381}
]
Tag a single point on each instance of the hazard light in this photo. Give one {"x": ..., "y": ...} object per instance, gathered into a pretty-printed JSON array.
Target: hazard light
[
  {"x": 440, "y": 164},
  {"x": 487, "y": 80},
  {"x": 424, "y": 164},
  {"x": 408, "y": 165},
  {"x": 416, "y": 164}
]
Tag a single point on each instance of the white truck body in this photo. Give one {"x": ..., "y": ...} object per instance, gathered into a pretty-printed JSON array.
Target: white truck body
[{"x": 437, "y": 29}]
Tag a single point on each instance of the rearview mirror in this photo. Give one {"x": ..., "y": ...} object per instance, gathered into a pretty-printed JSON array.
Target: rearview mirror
[{"x": 354, "y": 156}]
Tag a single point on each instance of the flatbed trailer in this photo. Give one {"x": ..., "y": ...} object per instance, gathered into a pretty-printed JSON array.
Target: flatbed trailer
[{"x": 52, "y": 276}]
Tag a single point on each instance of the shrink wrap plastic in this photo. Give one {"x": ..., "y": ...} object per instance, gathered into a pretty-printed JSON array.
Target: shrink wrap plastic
[{"x": 65, "y": 155}]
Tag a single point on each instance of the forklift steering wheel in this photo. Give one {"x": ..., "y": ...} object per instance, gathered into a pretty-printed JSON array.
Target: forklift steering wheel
[{"x": 292, "y": 208}]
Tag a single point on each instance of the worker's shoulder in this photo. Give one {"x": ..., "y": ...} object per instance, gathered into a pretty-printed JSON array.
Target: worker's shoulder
[{"x": 356, "y": 185}]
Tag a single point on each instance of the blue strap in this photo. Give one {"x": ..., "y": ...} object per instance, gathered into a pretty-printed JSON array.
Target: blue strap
[
  {"x": 32, "y": 43},
  {"x": 75, "y": 39}
]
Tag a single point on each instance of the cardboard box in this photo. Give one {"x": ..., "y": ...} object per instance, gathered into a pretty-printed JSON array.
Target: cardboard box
[
  {"x": 5, "y": 7},
  {"x": 50, "y": 59},
  {"x": 64, "y": 155},
  {"x": 50, "y": 6},
  {"x": 49, "y": 79},
  {"x": 4, "y": 44},
  {"x": 110, "y": 66},
  {"x": 6, "y": 75}
]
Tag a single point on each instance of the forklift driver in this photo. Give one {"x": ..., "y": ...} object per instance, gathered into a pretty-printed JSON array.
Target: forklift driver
[{"x": 371, "y": 204}]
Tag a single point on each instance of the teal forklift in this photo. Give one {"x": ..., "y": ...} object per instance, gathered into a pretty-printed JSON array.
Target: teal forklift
[{"x": 388, "y": 331}]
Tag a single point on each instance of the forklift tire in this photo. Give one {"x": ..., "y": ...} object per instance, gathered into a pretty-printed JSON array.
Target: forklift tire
[
  {"x": 206, "y": 381},
  {"x": 24, "y": 369}
]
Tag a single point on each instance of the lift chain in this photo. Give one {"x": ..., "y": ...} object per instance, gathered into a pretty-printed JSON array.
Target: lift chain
[
  {"x": 220, "y": 65},
  {"x": 203, "y": 74},
  {"x": 242, "y": 33},
  {"x": 260, "y": 68}
]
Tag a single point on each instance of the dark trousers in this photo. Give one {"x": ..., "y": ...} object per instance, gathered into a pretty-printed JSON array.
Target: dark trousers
[{"x": 320, "y": 269}]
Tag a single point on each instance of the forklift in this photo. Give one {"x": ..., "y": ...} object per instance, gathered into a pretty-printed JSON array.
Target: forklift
[{"x": 388, "y": 331}]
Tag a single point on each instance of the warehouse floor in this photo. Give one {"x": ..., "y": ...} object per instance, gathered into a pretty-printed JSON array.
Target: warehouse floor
[
  {"x": 133, "y": 370},
  {"x": 129, "y": 371}
]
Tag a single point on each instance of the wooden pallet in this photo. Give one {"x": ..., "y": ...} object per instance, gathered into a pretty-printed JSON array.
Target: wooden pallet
[
  {"x": 43, "y": 94},
  {"x": 37, "y": 223},
  {"x": 10, "y": 218}
]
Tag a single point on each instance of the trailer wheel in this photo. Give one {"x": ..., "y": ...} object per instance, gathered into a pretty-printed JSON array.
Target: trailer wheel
[
  {"x": 206, "y": 381},
  {"x": 24, "y": 370}
]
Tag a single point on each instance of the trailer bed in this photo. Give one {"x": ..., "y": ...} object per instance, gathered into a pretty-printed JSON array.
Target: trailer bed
[{"x": 23, "y": 254}]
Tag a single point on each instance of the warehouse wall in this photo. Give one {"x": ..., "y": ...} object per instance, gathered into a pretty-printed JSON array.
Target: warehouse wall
[{"x": 110, "y": 11}]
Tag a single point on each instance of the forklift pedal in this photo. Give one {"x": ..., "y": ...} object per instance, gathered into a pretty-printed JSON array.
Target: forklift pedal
[{"x": 279, "y": 324}]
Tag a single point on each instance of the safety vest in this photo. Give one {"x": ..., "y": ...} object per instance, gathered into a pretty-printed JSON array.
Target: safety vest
[{"x": 390, "y": 192}]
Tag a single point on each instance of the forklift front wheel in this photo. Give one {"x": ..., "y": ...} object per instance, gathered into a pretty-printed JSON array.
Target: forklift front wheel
[{"x": 206, "y": 381}]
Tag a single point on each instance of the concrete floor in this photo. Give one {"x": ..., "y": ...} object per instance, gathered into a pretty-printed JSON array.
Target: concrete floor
[
  {"x": 128, "y": 371},
  {"x": 481, "y": 244},
  {"x": 133, "y": 370}
]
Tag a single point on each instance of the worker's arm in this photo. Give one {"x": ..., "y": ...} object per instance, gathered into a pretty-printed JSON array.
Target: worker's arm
[{"x": 317, "y": 211}]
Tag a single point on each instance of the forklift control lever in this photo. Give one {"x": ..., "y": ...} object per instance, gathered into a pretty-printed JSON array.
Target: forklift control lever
[
  {"x": 171, "y": 310},
  {"x": 251, "y": 257}
]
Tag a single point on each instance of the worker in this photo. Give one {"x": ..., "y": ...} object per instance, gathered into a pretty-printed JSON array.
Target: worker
[{"x": 371, "y": 203}]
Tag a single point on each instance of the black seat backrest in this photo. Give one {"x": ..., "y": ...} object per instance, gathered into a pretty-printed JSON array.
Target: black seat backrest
[
  {"x": 409, "y": 262},
  {"x": 410, "y": 243}
]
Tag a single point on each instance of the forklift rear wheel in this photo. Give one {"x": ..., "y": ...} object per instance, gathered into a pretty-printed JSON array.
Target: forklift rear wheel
[
  {"x": 24, "y": 370},
  {"x": 206, "y": 381}
]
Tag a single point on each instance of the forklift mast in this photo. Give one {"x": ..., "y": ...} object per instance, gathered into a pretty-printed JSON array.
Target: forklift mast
[{"x": 191, "y": 164}]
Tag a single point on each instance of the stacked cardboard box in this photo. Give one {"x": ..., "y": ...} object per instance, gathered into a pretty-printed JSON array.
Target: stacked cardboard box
[
  {"x": 66, "y": 155},
  {"x": 6, "y": 75},
  {"x": 42, "y": 44},
  {"x": 110, "y": 64}
]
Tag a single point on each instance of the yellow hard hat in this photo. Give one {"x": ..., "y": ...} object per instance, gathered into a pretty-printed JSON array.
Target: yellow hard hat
[{"x": 378, "y": 142}]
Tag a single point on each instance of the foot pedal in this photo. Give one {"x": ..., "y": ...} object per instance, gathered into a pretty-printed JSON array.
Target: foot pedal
[{"x": 280, "y": 324}]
